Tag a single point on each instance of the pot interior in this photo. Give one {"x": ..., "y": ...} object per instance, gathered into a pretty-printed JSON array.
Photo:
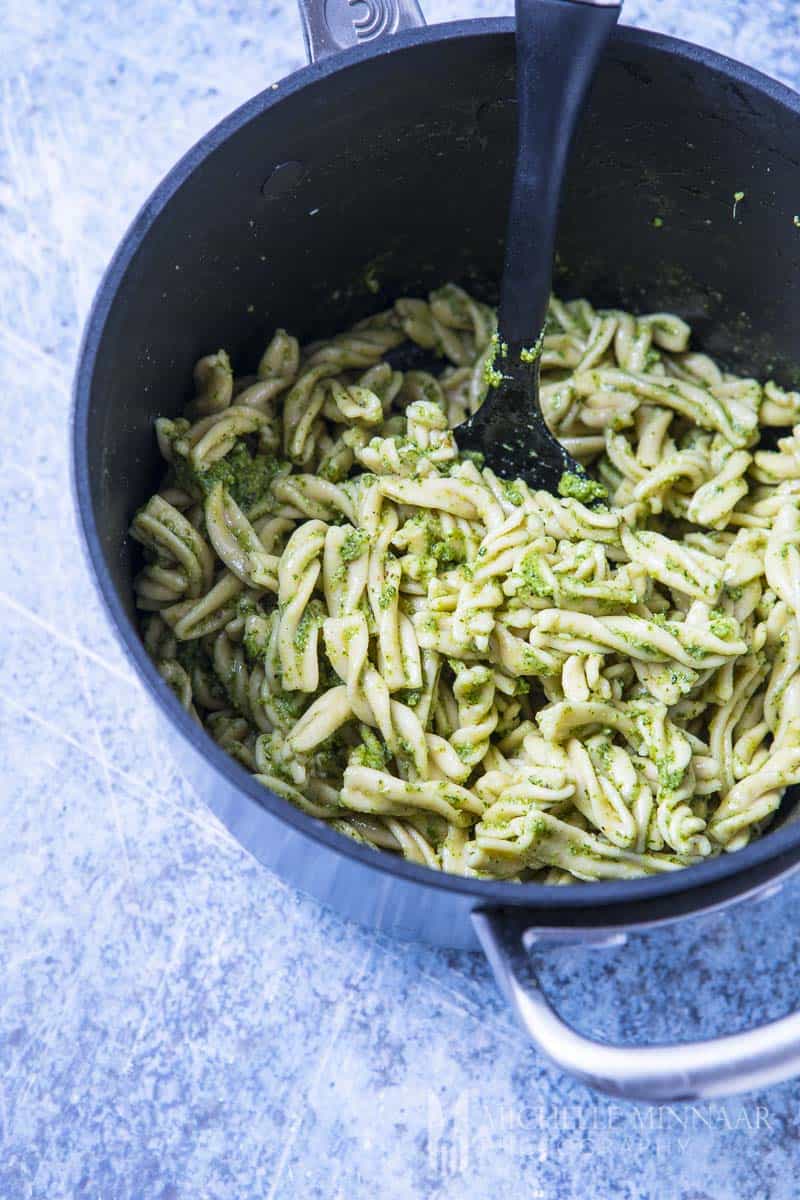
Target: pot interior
[{"x": 390, "y": 175}]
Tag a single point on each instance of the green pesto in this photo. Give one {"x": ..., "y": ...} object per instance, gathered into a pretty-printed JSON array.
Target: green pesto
[
  {"x": 178, "y": 532},
  {"x": 372, "y": 752},
  {"x": 581, "y": 487},
  {"x": 247, "y": 477},
  {"x": 533, "y": 664},
  {"x": 451, "y": 550},
  {"x": 492, "y": 377},
  {"x": 354, "y": 544},
  {"x": 638, "y": 643},
  {"x": 721, "y": 625},
  {"x": 672, "y": 564},
  {"x": 602, "y": 752},
  {"x": 388, "y": 593},
  {"x": 254, "y": 646},
  {"x": 244, "y": 540},
  {"x": 191, "y": 654},
  {"x": 332, "y": 471},
  {"x": 193, "y": 658},
  {"x": 288, "y": 705},
  {"x": 310, "y": 621},
  {"x": 669, "y": 777},
  {"x": 473, "y": 694},
  {"x": 538, "y": 828},
  {"x": 511, "y": 492},
  {"x": 530, "y": 570},
  {"x": 530, "y": 354}
]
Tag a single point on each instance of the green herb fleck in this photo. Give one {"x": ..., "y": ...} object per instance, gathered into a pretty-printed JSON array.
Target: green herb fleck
[
  {"x": 581, "y": 487},
  {"x": 532, "y": 576},
  {"x": 310, "y": 621},
  {"x": 529, "y": 354},
  {"x": 388, "y": 593},
  {"x": 354, "y": 544},
  {"x": 372, "y": 752},
  {"x": 492, "y": 377},
  {"x": 247, "y": 477},
  {"x": 511, "y": 492}
]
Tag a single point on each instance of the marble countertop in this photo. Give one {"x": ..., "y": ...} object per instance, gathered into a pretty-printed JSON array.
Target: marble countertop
[{"x": 174, "y": 1021}]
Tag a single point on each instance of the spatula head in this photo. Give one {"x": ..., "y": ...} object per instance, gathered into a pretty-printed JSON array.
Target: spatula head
[{"x": 510, "y": 431}]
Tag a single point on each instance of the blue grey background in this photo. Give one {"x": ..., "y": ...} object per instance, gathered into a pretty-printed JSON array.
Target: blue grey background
[{"x": 174, "y": 1021}]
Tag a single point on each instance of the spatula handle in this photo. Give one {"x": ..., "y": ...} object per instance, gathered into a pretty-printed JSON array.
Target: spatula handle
[{"x": 559, "y": 43}]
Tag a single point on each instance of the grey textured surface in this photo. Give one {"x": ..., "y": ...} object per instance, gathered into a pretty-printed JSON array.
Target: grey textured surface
[{"x": 174, "y": 1022}]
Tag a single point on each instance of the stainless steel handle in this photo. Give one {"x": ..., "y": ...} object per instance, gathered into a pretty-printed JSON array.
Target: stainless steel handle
[
  {"x": 721, "y": 1066},
  {"x": 333, "y": 25}
]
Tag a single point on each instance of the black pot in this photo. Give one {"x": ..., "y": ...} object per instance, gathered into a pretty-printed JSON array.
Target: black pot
[{"x": 393, "y": 161}]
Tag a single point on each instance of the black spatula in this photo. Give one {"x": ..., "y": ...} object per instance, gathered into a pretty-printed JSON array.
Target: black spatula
[{"x": 559, "y": 43}]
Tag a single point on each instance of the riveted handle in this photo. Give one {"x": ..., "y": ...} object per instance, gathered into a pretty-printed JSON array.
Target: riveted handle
[
  {"x": 333, "y": 25},
  {"x": 718, "y": 1067}
]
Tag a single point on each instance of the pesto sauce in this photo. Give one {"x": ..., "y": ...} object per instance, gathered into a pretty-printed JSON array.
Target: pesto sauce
[
  {"x": 492, "y": 377},
  {"x": 354, "y": 544},
  {"x": 246, "y": 477},
  {"x": 388, "y": 593},
  {"x": 530, "y": 571},
  {"x": 529, "y": 354},
  {"x": 511, "y": 492},
  {"x": 310, "y": 621},
  {"x": 581, "y": 487}
]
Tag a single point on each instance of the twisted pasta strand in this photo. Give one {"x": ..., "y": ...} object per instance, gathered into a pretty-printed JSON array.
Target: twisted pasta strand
[{"x": 453, "y": 667}]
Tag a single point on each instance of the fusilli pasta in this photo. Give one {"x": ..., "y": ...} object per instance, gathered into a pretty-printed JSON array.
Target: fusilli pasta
[{"x": 450, "y": 666}]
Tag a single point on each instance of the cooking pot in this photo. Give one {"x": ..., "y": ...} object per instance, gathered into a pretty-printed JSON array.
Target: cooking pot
[{"x": 383, "y": 169}]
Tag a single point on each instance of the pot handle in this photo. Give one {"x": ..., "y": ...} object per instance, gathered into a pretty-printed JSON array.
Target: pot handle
[
  {"x": 719, "y": 1067},
  {"x": 333, "y": 25}
]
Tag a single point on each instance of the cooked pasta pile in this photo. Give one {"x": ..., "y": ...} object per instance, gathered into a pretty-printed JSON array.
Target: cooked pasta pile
[{"x": 487, "y": 679}]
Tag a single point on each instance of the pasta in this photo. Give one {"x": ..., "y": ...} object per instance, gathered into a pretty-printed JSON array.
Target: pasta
[{"x": 447, "y": 665}]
